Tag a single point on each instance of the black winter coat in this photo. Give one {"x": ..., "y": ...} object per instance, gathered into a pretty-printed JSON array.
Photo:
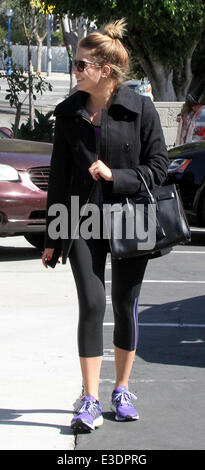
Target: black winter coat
[{"x": 131, "y": 136}]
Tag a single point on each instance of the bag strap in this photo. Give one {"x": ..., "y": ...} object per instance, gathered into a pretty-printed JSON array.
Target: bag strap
[
  {"x": 151, "y": 177},
  {"x": 145, "y": 183}
]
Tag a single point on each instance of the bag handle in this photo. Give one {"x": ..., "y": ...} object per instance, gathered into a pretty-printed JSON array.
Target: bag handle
[
  {"x": 145, "y": 183},
  {"x": 153, "y": 200},
  {"x": 151, "y": 177}
]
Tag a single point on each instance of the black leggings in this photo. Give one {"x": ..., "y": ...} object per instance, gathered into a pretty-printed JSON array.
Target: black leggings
[{"x": 87, "y": 259}]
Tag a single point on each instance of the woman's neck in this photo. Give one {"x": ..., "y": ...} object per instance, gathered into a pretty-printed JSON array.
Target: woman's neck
[{"x": 99, "y": 100}]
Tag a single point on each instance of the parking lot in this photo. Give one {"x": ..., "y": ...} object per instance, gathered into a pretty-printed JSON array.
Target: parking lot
[{"x": 168, "y": 373}]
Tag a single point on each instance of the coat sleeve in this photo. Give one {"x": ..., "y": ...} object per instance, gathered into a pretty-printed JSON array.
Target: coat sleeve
[
  {"x": 59, "y": 178},
  {"x": 153, "y": 154}
]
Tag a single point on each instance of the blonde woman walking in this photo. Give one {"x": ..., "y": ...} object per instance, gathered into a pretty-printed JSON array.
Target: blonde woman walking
[{"x": 104, "y": 132}]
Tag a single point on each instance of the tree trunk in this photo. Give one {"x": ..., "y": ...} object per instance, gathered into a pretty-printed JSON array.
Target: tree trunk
[
  {"x": 30, "y": 80},
  {"x": 70, "y": 40},
  {"x": 70, "y": 37},
  {"x": 39, "y": 55},
  {"x": 39, "y": 41},
  {"x": 185, "y": 76},
  {"x": 73, "y": 31},
  {"x": 160, "y": 78},
  {"x": 159, "y": 75},
  {"x": 30, "y": 69},
  {"x": 161, "y": 81},
  {"x": 167, "y": 85},
  {"x": 17, "y": 119}
]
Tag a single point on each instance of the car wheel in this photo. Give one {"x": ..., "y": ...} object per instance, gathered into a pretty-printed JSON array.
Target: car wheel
[{"x": 36, "y": 239}]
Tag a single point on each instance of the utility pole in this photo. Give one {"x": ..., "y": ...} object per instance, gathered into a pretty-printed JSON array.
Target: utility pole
[{"x": 49, "y": 50}]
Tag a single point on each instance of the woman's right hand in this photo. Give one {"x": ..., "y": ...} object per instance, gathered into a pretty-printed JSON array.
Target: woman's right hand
[{"x": 47, "y": 255}]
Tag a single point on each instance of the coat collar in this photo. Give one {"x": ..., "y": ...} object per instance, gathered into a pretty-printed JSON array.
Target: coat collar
[
  {"x": 128, "y": 99},
  {"x": 75, "y": 104}
]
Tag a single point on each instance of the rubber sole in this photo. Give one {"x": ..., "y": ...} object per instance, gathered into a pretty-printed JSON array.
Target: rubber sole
[
  {"x": 79, "y": 425},
  {"x": 126, "y": 418}
]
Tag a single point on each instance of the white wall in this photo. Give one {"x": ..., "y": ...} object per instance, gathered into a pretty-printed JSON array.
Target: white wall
[
  {"x": 60, "y": 60},
  {"x": 168, "y": 113}
]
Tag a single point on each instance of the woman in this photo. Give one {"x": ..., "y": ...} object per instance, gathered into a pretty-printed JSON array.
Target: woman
[{"x": 103, "y": 133}]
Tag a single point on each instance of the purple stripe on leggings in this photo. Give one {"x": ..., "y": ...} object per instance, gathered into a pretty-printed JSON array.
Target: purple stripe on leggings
[{"x": 135, "y": 317}]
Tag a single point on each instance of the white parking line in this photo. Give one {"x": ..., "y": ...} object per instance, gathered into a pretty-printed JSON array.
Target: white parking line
[
  {"x": 174, "y": 281},
  {"x": 188, "y": 252},
  {"x": 164, "y": 380},
  {"x": 108, "y": 281},
  {"x": 172, "y": 325}
]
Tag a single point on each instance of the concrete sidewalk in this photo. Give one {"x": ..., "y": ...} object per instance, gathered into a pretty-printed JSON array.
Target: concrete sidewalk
[{"x": 40, "y": 372}]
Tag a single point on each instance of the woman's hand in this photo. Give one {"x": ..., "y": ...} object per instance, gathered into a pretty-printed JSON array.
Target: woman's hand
[
  {"x": 99, "y": 170},
  {"x": 47, "y": 255}
]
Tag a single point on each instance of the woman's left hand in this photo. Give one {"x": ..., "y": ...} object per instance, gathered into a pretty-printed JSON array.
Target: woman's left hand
[{"x": 99, "y": 170}]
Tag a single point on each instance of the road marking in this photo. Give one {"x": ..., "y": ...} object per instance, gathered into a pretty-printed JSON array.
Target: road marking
[
  {"x": 189, "y": 252},
  {"x": 174, "y": 281},
  {"x": 152, "y": 380},
  {"x": 197, "y": 229},
  {"x": 167, "y": 281},
  {"x": 172, "y": 325}
]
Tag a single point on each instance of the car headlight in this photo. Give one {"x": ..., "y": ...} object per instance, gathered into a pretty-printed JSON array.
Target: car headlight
[
  {"x": 179, "y": 165},
  {"x": 8, "y": 173}
]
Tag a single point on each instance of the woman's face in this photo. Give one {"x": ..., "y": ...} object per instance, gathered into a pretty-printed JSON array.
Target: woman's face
[{"x": 88, "y": 79}]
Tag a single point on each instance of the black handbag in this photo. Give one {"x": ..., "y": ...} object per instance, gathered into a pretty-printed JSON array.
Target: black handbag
[{"x": 146, "y": 223}]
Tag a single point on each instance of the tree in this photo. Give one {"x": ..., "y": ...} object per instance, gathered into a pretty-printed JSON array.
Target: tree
[
  {"x": 30, "y": 9},
  {"x": 20, "y": 83},
  {"x": 163, "y": 35},
  {"x": 39, "y": 39},
  {"x": 73, "y": 30}
]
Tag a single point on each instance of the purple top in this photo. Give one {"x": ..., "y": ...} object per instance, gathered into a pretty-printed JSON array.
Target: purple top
[{"x": 97, "y": 130}]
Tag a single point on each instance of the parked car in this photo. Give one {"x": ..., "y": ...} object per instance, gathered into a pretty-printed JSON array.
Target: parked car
[
  {"x": 5, "y": 132},
  {"x": 191, "y": 120},
  {"x": 24, "y": 170},
  {"x": 187, "y": 169},
  {"x": 143, "y": 87}
]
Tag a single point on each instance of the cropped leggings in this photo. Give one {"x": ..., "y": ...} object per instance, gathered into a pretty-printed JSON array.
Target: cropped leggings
[{"x": 87, "y": 259}]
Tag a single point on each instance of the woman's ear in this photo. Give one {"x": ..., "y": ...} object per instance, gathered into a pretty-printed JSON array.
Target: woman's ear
[{"x": 106, "y": 71}]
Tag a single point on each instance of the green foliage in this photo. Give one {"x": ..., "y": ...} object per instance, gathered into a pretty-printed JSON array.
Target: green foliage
[
  {"x": 43, "y": 128},
  {"x": 165, "y": 29},
  {"x": 17, "y": 28},
  {"x": 3, "y": 35},
  {"x": 18, "y": 82},
  {"x": 163, "y": 32}
]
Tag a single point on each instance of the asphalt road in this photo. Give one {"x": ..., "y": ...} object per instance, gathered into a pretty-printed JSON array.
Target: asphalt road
[{"x": 168, "y": 372}]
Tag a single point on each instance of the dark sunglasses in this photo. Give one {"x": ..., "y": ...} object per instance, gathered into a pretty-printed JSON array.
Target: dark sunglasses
[{"x": 81, "y": 64}]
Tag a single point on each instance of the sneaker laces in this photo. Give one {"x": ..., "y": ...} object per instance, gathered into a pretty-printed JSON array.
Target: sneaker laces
[
  {"x": 89, "y": 406},
  {"x": 123, "y": 398}
]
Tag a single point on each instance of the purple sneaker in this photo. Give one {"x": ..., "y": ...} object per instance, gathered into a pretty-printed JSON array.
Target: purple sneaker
[
  {"x": 122, "y": 405},
  {"x": 89, "y": 414}
]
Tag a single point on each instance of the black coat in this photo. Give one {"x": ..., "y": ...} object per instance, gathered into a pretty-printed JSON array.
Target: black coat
[{"x": 131, "y": 135}]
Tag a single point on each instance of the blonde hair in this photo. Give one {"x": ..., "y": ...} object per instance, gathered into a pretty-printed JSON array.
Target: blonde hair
[{"x": 106, "y": 47}]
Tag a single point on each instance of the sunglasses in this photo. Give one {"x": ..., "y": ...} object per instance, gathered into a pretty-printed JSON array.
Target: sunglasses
[{"x": 81, "y": 64}]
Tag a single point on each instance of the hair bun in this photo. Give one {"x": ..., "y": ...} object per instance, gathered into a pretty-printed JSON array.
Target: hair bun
[{"x": 115, "y": 30}]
